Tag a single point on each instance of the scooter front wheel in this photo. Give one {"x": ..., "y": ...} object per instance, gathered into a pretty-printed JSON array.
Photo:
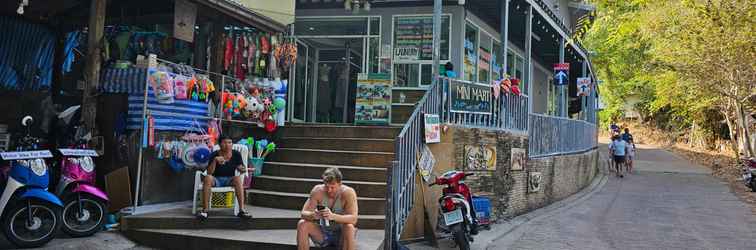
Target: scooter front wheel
[
  {"x": 82, "y": 215},
  {"x": 31, "y": 231}
]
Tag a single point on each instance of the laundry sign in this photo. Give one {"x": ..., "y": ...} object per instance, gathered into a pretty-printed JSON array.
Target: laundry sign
[
  {"x": 467, "y": 97},
  {"x": 184, "y": 17}
]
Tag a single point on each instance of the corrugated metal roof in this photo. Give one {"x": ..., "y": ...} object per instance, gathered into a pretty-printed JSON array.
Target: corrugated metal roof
[{"x": 244, "y": 14}]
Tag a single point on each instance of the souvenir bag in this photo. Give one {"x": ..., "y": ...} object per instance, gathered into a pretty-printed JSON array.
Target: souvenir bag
[{"x": 180, "y": 88}]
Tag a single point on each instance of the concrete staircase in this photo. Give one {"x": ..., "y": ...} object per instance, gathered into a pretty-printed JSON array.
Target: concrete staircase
[{"x": 363, "y": 154}]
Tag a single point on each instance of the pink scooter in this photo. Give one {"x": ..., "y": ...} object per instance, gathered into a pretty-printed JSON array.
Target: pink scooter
[{"x": 84, "y": 205}]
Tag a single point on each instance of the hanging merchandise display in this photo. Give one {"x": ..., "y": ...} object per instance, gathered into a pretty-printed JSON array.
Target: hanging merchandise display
[{"x": 254, "y": 100}]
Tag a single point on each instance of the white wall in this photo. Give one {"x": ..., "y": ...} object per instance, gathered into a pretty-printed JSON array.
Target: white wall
[{"x": 281, "y": 11}]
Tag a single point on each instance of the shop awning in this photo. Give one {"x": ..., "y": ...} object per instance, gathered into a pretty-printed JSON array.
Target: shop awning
[{"x": 244, "y": 15}]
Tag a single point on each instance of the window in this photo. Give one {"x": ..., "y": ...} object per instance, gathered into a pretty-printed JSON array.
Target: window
[
  {"x": 471, "y": 51},
  {"x": 406, "y": 75},
  {"x": 331, "y": 26},
  {"x": 413, "y": 38},
  {"x": 374, "y": 54},
  {"x": 413, "y": 49},
  {"x": 496, "y": 61},
  {"x": 484, "y": 63},
  {"x": 510, "y": 63}
]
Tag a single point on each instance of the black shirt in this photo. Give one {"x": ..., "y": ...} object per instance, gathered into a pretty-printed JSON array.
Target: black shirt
[{"x": 228, "y": 168}]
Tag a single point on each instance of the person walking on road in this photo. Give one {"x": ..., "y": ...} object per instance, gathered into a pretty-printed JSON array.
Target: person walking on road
[
  {"x": 630, "y": 156},
  {"x": 627, "y": 136},
  {"x": 618, "y": 150}
]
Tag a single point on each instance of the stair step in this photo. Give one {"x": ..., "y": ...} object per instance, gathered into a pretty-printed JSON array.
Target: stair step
[
  {"x": 235, "y": 239},
  {"x": 336, "y": 131},
  {"x": 284, "y": 200},
  {"x": 335, "y": 157},
  {"x": 264, "y": 218},
  {"x": 305, "y": 170},
  {"x": 349, "y": 144},
  {"x": 305, "y": 185}
]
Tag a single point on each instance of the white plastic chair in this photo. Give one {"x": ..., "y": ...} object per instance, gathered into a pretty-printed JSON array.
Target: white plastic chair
[{"x": 244, "y": 151}]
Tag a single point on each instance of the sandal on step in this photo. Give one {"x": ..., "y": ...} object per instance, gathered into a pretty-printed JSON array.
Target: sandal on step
[
  {"x": 202, "y": 215},
  {"x": 244, "y": 215}
]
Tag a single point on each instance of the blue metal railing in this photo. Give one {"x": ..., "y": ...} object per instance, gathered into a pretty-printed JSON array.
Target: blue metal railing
[
  {"x": 551, "y": 135},
  {"x": 509, "y": 112},
  {"x": 401, "y": 180}
]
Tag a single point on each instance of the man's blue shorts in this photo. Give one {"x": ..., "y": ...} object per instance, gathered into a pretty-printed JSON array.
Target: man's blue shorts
[{"x": 222, "y": 181}]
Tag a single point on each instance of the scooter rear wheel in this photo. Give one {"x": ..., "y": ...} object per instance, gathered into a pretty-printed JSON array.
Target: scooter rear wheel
[
  {"x": 34, "y": 232},
  {"x": 86, "y": 223},
  {"x": 460, "y": 237}
]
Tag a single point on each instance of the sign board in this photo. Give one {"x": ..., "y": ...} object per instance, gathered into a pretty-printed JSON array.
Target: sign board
[
  {"x": 78, "y": 152},
  {"x": 519, "y": 159},
  {"x": 583, "y": 86},
  {"x": 373, "y": 101},
  {"x": 561, "y": 73},
  {"x": 480, "y": 157},
  {"x": 535, "y": 180},
  {"x": 467, "y": 97},
  {"x": 426, "y": 163},
  {"x": 21, "y": 155},
  {"x": 413, "y": 37},
  {"x": 432, "y": 128},
  {"x": 184, "y": 17}
]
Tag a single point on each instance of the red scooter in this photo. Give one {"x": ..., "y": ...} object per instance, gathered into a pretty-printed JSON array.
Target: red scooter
[{"x": 457, "y": 216}]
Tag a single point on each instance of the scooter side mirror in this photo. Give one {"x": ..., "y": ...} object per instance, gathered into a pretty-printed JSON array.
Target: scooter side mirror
[{"x": 27, "y": 121}]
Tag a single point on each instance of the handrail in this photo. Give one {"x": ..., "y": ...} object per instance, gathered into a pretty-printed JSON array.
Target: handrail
[
  {"x": 508, "y": 112},
  {"x": 401, "y": 180},
  {"x": 551, "y": 135}
]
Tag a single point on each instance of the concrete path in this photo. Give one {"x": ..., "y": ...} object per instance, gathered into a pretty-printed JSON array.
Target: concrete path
[
  {"x": 100, "y": 241},
  {"x": 667, "y": 203}
]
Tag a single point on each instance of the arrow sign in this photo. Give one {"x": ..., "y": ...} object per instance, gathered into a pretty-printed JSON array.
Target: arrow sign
[
  {"x": 584, "y": 86},
  {"x": 561, "y": 73},
  {"x": 562, "y": 77}
]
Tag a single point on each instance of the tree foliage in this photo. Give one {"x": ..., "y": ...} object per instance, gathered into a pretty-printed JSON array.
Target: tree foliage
[{"x": 689, "y": 61}]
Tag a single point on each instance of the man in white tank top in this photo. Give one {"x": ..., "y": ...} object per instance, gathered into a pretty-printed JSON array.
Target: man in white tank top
[{"x": 329, "y": 216}]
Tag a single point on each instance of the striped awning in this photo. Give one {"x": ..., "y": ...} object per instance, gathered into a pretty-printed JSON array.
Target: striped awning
[
  {"x": 124, "y": 81},
  {"x": 26, "y": 54},
  {"x": 181, "y": 115}
]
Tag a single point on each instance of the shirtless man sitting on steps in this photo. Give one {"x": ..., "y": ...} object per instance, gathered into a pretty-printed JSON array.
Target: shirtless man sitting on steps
[{"x": 329, "y": 216}]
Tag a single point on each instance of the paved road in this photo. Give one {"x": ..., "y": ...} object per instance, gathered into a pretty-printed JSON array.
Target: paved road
[
  {"x": 100, "y": 241},
  {"x": 667, "y": 203}
]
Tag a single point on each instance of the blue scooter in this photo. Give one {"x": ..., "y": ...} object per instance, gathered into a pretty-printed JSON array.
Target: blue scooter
[{"x": 30, "y": 214}]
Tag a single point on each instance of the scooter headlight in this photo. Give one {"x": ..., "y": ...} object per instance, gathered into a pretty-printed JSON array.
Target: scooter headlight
[
  {"x": 38, "y": 167},
  {"x": 86, "y": 164}
]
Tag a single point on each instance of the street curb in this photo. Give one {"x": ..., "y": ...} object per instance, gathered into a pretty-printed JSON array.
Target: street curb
[{"x": 506, "y": 229}]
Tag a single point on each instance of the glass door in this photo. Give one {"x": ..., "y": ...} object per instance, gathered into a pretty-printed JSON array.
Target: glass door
[{"x": 301, "y": 84}]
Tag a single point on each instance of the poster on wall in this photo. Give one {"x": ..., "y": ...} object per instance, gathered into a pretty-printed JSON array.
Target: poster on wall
[
  {"x": 518, "y": 159},
  {"x": 480, "y": 157},
  {"x": 469, "y": 97},
  {"x": 426, "y": 163},
  {"x": 184, "y": 18},
  {"x": 535, "y": 179},
  {"x": 373, "y": 102},
  {"x": 432, "y": 128}
]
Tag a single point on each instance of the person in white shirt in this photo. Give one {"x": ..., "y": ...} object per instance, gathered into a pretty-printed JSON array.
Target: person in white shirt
[
  {"x": 630, "y": 156},
  {"x": 618, "y": 150}
]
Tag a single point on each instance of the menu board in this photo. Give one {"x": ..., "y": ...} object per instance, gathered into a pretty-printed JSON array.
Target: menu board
[
  {"x": 413, "y": 38},
  {"x": 373, "y": 102}
]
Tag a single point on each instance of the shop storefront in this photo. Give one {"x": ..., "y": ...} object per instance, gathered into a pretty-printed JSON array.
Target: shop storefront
[
  {"x": 184, "y": 66},
  {"x": 395, "y": 38}
]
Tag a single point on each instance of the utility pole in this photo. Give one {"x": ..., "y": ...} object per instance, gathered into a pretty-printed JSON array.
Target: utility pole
[
  {"x": 92, "y": 71},
  {"x": 437, "y": 6}
]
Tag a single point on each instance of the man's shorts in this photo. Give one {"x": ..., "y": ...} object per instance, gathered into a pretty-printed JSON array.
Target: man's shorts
[
  {"x": 619, "y": 158},
  {"x": 629, "y": 157},
  {"x": 223, "y": 181},
  {"x": 331, "y": 237}
]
